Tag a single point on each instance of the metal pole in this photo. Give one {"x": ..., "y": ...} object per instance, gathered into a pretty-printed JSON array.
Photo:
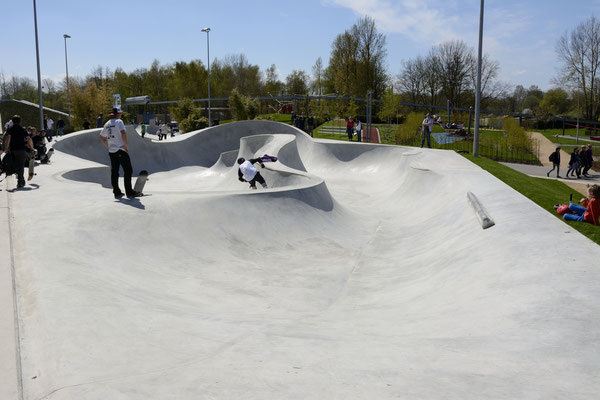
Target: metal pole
[
  {"x": 65, "y": 36},
  {"x": 39, "y": 77},
  {"x": 578, "y": 111},
  {"x": 207, "y": 30},
  {"x": 448, "y": 112},
  {"x": 478, "y": 89}
]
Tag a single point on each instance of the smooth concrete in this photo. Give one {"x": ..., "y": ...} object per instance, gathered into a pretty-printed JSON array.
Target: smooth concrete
[
  {"x": 361, "y": 273},
  {"x": 10, "y": 381}
]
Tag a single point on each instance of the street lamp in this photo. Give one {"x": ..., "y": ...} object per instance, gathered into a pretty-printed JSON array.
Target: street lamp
[
  {"x": 39, "y": 77},
  {"x": 65, "y": 36},
  {"x": 207, "y": 30},
  {"x": 478, "y": 87}
]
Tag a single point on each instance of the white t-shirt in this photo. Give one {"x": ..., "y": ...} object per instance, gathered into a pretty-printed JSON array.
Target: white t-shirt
[
  {"x": 248, "y": 170},
  {"x": 50, "y": 123},
  {"x": 428, "y": 121},
  {"x": 112, "y": 131}
]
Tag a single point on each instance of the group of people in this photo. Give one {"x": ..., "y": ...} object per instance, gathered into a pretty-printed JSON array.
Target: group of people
[
  {"x": 23, "y": 146},
  {"x": 581, "y": 161},
  {"x": 353, "y": 128},
  {"x": 579, "y": 164}
]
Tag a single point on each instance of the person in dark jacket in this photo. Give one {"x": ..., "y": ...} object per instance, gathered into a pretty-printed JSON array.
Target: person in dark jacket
[
  {"x": 17, "y": 142},
  {"x": 555, "y": 158},
  {"x": 588, "y": 160},
  {"x": 574, "y": 163}
]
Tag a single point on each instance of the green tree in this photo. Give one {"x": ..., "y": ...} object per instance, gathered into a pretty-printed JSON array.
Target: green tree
[
  {"x": 391, "y": 104},
  {"x": 555, "y": 102}
]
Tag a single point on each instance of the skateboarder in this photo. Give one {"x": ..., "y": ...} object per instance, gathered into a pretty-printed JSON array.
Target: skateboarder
[
  {"x": 114, "y": 138},
  {"x": 247, "y": 172},
  {"x": 17, "y": 140}
]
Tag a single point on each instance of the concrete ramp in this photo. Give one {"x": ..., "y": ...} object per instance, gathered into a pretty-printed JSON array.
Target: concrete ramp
[{"x": 361, "y": 273}]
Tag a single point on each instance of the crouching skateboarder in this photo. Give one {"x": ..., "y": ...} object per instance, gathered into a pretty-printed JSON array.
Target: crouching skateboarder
[{"x": 247, "y": 172}]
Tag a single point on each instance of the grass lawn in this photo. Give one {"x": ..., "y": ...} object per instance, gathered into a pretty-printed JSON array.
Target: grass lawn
[{"x": 543, "y": 192}]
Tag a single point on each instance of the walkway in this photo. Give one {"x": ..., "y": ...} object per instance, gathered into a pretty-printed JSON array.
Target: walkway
[{"x": 546, "y": 148}]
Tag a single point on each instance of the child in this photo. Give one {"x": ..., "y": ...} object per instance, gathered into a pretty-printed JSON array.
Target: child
[
  {"x": 555, "y": 158},
  {"x": 590, "y": 212},
  {"x": 247, "y": 172}
]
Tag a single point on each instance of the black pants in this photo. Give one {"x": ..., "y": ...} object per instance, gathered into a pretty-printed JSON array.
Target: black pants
[
  {"x": 349, "y": 133},
  {"x": 257, "y": 178},
  {"x": 20, "y": 157},
  {"x": 120, "y": 159}
]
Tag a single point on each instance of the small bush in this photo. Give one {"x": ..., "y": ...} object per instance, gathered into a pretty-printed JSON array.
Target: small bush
[
  {"x": 516, "y": 137},
  {"x": 410, "y": 130}
]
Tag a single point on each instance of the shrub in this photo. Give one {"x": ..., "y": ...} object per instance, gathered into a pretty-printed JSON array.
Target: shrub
[
  {"x": 516, "y": 137},
  {"x": 410, "y": 130}
]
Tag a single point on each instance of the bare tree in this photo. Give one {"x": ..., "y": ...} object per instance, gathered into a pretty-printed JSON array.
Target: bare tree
[
  {"x": 454, "y": 60},
  {"x": 579, "y": 52},
  {"x": 317, "y": 69}
]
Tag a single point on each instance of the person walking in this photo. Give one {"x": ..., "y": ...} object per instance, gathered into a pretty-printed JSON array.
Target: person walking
[
  {"x": 99, "y": 121},
  {"x": 114, "y": 138},
  {"x": 359, "y": 130},
  {"x": 588, "y": 159},
  {"x": 574, "y": 163},
  {"x": 555, "y": 158},
  {"x": 17, "y": 141}
]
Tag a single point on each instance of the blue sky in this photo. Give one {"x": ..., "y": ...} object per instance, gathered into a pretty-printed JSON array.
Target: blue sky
[{"x": 521, "y": 35}]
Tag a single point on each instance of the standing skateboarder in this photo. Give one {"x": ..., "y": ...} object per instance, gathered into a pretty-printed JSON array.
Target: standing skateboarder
[{"x": 114, "y": 138}]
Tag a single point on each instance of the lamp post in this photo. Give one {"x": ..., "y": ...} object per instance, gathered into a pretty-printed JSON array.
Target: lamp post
[
  {"x": 39, "y": 77},
  {"x": 65, "y": 36},
  {"x": 207, "y": 30},
  {"x": 478, "y": 88}
]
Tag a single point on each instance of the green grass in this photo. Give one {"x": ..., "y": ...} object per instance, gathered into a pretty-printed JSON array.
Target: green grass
[
  {"x": 543, "y": 192},
  {"x": 30, "y": 115}
]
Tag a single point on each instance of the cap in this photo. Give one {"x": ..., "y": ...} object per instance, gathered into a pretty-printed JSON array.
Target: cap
[{"x": 115, "y": 111}]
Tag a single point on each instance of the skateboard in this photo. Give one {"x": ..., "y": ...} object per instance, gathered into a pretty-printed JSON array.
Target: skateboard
[
  {"x": 48, "y": 155},
  {"x": 268, "y": 158},
  {"x": 31, "y": 167},
  {"x": 141, "y": 181}
]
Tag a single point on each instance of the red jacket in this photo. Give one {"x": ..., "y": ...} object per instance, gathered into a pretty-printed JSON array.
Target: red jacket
[{"x": 592, "y": 212}]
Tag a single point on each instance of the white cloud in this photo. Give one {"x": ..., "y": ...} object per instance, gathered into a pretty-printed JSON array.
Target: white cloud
[{"x": 421, "y": 21}]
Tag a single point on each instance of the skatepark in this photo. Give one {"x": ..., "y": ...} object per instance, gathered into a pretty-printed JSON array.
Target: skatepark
[{"x": 362, "y": 272}]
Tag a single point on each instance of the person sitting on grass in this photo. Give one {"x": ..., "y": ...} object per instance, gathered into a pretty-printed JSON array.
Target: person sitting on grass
[{"x": 589, "y": 211}]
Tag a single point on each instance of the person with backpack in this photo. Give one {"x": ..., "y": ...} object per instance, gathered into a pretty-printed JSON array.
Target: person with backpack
[{"x": 555, "y": 158}]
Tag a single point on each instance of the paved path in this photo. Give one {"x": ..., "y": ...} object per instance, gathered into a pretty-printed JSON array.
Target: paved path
[{"x": 546, "y": 148}]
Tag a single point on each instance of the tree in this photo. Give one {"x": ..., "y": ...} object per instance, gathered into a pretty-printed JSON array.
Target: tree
[
  {"x": 296, "y": 83},
  {"x": 555, "y": 102},
  {"x": 391, "y": 104},
  {"x": 455, "y": 60},
  {"x": 357, "y": 61},
  {"x": 317, "y": 84},
  {"x": 579, "y": 52}
]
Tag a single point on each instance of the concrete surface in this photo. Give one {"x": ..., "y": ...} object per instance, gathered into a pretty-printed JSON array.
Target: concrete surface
[{"x": 361, "y": 273}]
